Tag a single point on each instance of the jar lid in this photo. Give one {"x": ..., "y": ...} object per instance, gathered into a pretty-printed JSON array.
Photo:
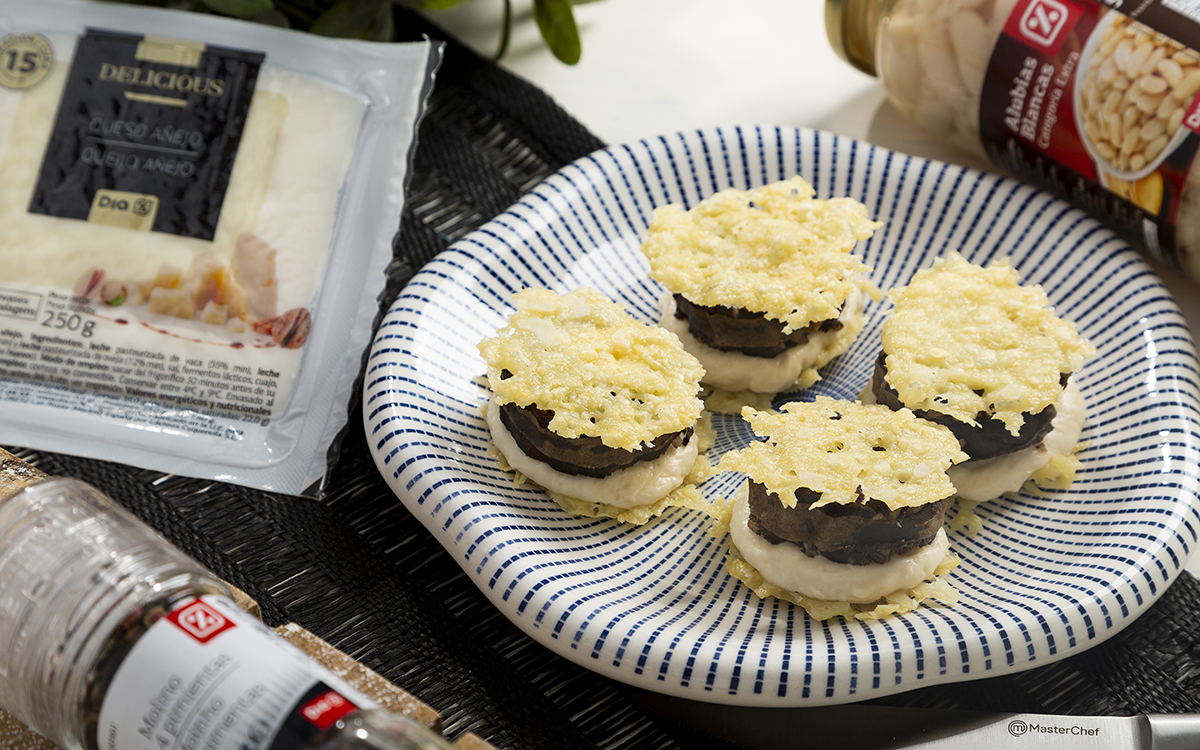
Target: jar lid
[
  {"x": 850, "y": 26},
  {"x": 74, "y": 567}
]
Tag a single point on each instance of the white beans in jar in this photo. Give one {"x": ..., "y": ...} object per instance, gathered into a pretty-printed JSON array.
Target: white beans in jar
[
  {"x": 1130, "y": 86},
  {"x": 933, "y": 56}
]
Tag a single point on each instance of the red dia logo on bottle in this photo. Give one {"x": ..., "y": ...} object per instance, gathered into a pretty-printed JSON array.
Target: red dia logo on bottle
[
  {"x": 327, "y": 708},
  {"x": 1043, "y": 23},
  {"x": 200, "y": 621}
]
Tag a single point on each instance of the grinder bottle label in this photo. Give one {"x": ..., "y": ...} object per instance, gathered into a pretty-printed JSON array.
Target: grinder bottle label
[{"x": 208, "y": 675}]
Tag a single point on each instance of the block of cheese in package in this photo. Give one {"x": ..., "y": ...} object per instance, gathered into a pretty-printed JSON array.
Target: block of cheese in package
[{"x": 195, "y": 218}]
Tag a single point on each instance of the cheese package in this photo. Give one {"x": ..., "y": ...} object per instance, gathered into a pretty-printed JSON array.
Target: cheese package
[
  {"x": 190, "y": 210},
  {"x": 599, "y": 409},
  {"x": 971, "y": 348}
]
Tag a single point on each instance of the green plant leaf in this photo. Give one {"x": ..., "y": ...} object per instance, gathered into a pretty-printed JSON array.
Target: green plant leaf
[
  {"x": 373, "y": 19},
  {"x": 358, "y": 19},
  {"x": 240, "y": 8},
  {"x": 430, "y": 4},
  {"x": 505, "y": 30},
  {"x": 308, "y": 6},
  {"x": 300, "y": 13},
  {"x": 556, "y": 20},
  {"x": 273, "y": 18}
]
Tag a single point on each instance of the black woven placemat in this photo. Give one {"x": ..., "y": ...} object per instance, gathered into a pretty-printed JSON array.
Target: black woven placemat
[{"x": 360, "y": 571}]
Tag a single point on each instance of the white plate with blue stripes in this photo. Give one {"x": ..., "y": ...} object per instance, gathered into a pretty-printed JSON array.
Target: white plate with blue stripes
[{"x": 1052, "y": 574}]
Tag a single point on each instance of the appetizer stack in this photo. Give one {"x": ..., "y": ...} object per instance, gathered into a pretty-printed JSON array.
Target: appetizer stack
[
  {"x": 764, "y": 286},
  {"x": 844, "y": 502},
  {"x": 843, "y": 505},
  {"x": 970, "y": 348},
  {"x": 596, "y": 407}
]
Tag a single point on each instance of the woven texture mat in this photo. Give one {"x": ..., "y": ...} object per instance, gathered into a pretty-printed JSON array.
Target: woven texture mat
[{"x": 358, "y": 570}]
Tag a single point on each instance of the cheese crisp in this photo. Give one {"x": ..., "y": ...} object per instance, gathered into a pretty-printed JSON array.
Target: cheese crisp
[
  {"x": 966, "y": 339},
  {"x": 937, "y": 587},
  {"x": 602, "y": 373},
  {"x": 836, "y": 447},
  {"x": 774, "y": 250}
]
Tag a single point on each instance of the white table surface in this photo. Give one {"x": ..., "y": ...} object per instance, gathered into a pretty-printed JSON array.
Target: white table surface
[
  {"x": 651, "y": 67},
  {"x": 661, "y": 66}
]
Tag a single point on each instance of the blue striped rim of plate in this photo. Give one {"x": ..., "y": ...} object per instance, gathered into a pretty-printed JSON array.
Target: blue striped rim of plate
[{"x": 1053, "y": 573}]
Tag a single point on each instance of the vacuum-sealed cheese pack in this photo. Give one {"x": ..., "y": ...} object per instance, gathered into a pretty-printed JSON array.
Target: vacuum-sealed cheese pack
[{"x": 195, "y": 218}]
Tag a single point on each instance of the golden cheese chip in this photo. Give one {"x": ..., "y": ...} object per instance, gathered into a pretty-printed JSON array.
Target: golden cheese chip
[
  {"x": 774, "y": 250},
  {"x": 837, "y": 447},
  {"x": 603, "y": 373},
  {"x": 965, "y": 339},
  {"x": 686, "y": 495},
  {"x": 936, "y": 587}
]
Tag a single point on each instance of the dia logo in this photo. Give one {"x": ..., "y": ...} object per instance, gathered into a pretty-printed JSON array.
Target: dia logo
[
  {"x": 200, "y": 621},
  {"x": 1043, "y": 23}
]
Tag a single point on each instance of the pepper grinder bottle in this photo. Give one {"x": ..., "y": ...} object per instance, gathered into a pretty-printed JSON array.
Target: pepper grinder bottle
[
  {"x": 115, "y": 639},
  {"x": 1096, "y": 106}
]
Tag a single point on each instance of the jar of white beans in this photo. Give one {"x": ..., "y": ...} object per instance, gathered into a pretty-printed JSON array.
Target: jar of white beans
[{"x": 1098, "y": 102}]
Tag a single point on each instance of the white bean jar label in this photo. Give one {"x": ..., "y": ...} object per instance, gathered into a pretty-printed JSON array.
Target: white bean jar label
[
  {"x": 208, "y": 676},
  {"x": 1101, "y": 108}
]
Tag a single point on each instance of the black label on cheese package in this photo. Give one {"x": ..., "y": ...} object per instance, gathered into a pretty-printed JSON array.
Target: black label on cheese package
[{"x": 146, "y": 133}]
